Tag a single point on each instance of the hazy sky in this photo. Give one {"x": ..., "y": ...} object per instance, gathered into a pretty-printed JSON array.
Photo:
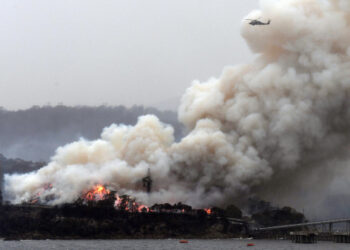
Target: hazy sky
[{"x": 84, "y": 52}]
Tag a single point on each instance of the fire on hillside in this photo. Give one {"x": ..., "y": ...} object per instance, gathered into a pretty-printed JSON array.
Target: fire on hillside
[
  {"x": 129, "y": 204},
  {"x": 126, "y": 203}
]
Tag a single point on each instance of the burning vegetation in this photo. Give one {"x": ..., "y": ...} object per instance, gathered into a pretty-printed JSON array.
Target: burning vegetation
[
  {"x": 36, "y": 199},
  {"x": 129, "y": 204},
  {"x": 98, "y": 193},
  {"x": 101, "y": 194}
]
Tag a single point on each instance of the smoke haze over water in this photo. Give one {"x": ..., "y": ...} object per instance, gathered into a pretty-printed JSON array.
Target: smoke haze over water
[{"x": 277, "y": 127}]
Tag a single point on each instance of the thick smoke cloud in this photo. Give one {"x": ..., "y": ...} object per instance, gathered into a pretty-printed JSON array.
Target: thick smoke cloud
[{"x": 274, "y": 127}]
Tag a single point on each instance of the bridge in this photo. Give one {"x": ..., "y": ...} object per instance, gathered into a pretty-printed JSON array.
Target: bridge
[
  {"x": 234, "y": 221},
  {"x": 307, "y": 224},
  {"x": 310, "y": 233}
]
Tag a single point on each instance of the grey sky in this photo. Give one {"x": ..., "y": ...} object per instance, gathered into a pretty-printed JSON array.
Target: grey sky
[{"x": 84, "y": 52}]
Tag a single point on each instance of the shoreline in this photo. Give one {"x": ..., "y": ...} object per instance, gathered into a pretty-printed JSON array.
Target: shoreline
[
  {"x": 126, "y": 238},
  {"x": 16, "y": 238}
]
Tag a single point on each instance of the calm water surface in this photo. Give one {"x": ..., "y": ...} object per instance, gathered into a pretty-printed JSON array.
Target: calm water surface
[{"x": 165, "y": 244}]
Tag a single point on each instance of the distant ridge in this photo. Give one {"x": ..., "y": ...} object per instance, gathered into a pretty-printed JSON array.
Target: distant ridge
[
  {"x": 34, "y": 134},
  {"x": 10, "y": 166}
]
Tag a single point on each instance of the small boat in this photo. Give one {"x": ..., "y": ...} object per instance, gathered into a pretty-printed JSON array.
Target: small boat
[
  {"x": 183, "y": 241},
  {"x": 250, "y": 244}
]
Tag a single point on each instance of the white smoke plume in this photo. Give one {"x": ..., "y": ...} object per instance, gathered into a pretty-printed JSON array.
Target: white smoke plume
[{"x": 272, "y": 127}]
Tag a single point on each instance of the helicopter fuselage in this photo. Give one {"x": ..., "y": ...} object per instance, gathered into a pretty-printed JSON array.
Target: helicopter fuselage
[{"x": 257, "y": 22}]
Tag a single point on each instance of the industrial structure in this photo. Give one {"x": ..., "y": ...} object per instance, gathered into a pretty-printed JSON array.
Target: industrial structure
[{"x": 147, "y": 181}]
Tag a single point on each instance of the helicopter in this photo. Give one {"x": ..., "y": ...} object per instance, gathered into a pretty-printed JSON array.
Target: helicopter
[{"x": 257, "y": 22}]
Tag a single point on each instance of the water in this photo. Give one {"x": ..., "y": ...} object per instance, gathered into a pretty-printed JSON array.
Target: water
[{"x": 166, "y": 245}]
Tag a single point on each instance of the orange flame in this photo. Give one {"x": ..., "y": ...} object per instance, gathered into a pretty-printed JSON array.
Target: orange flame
[
  {"x": 123, "y": 203},
  {"x": 98, "y": 193},
  {"x": 118, "y": 201},
  {"x": 208, "y": 210},
  {"x": 130, "y": 205},
  {"x": 142, "y": 208}
]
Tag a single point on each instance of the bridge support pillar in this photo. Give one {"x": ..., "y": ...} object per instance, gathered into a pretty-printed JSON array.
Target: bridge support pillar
[
  {"x": 330, "y": 227},
  {"x": 341, "y": 237},
  {"x": 303, "y": 237}
]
